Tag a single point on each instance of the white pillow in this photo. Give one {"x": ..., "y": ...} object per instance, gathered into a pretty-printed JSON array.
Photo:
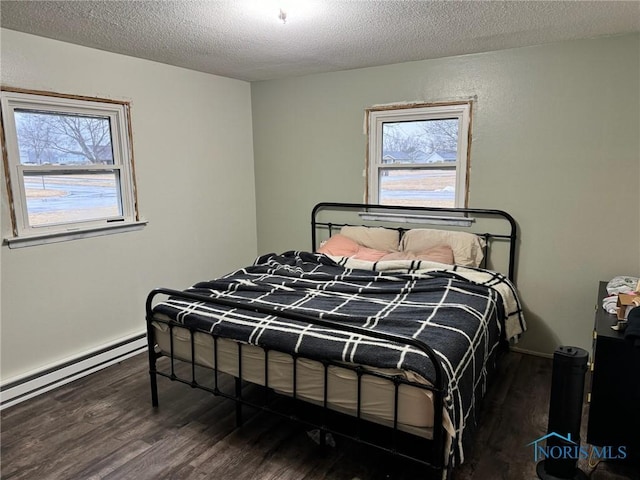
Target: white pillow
[
  {"x": 378, "y": 238},
  {"x": 467, "y": 247}
]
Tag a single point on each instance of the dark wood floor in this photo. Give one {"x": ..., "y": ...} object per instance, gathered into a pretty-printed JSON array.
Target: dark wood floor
[{"x": 103, "y": 427}]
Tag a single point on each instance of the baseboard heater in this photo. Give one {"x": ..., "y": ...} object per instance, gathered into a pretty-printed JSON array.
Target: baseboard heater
[{"x": 15, "y": 391}]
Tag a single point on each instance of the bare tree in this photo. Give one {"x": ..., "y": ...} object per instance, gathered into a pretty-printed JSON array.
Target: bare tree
[
  {"x": 89, "y": 137},
  {"x": 421, "y": 138},
  {"x": 34, "y": 135},
  {"x": 41, "y": 135},
  {"x": 398, "y": 139},
  {"x": 442, "y": 135}
]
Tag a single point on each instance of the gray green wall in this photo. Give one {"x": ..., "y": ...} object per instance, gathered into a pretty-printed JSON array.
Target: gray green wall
[
  {"x": 194, "y": 166},
  {"x": 556, "y": 133}
]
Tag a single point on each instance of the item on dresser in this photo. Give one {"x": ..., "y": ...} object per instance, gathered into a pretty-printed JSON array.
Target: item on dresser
[
  {"x": 617, "y": 285},
  {"x": 623, "y": 284},
  {"x": 624, "y": 304}
]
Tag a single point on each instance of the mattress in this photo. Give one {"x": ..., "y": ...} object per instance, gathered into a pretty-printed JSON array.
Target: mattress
[{"x": 415, "y": 405}]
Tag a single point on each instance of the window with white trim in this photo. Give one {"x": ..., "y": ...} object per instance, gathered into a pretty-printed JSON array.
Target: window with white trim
[
  {"x": 68, "y": 164},
  {"x": 418, "y": 155}
]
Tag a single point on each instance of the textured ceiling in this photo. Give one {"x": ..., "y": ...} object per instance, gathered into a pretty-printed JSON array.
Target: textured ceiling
[{"x": 244, "y": 39}]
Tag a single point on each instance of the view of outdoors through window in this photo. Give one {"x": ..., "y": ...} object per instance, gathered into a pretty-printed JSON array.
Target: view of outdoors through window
[
  {"x": 66, "y": 162},
  {"x": 427, "y": 152}
]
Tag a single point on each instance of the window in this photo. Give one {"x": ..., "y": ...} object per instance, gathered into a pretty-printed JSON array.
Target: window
[
  {"x": 418, "y": 155},
  {"x": 68, "y": 163}
]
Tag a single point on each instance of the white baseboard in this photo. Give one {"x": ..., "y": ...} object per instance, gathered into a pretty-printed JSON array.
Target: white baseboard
[{"x": 27, "y": 386}]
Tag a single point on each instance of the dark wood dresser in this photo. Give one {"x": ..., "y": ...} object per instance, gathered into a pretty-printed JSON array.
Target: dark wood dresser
[{"x": 614, "y": 409}]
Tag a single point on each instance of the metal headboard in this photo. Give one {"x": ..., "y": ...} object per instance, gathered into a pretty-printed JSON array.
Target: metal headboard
[{"x": 419, "y": 216}]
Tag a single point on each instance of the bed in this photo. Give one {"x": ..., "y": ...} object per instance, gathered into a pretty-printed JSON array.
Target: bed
[{"x": 389, "y": 334}]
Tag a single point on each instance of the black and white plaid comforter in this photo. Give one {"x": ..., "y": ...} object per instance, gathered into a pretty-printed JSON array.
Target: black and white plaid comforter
[{"x": 462, "y": 320}]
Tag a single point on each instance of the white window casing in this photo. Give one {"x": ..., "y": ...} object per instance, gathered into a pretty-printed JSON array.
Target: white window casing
[
  {"x": 16, "y": 171},
  {"x": 377, "y": 117}
]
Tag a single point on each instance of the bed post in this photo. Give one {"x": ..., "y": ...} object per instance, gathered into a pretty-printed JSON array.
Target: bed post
[
  {"x": 152, "y": 365},
  {"x": 238, "y": 401},
  {"x": 151, "y": 345}
]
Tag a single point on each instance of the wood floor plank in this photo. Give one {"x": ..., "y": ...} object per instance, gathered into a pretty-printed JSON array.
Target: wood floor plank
[{"x": 103, "y": 427}]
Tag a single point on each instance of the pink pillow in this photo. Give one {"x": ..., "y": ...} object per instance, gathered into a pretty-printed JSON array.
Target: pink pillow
[
  {"x": 370, "y": 254},
  {"x": 340, "y": 246},
  {"x": 441, "y": 254},
  {"x": 398, "y": 256}
]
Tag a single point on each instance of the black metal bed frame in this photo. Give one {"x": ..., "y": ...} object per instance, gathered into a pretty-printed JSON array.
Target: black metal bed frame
[{"x": 434, "y": 461}]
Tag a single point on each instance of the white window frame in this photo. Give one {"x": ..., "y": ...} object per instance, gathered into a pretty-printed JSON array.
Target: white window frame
[
  {"x": 118, "y": 114},
  {"x": 407, "y": 113}
]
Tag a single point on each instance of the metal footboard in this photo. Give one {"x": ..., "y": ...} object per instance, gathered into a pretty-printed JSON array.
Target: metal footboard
[{"x": 434, "y": 460}]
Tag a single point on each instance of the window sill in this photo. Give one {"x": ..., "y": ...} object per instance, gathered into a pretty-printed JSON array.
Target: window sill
[
  {"x": 459, "y": 221},
  {"x": 50, "y": 237}
]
